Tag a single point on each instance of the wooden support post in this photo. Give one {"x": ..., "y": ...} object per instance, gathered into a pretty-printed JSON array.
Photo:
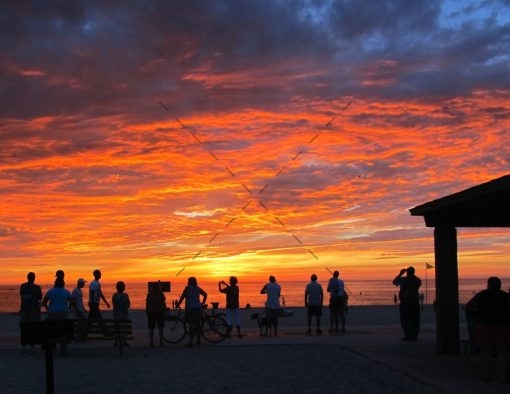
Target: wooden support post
[
  {"x": 50, "y": 380},
  {"x": 447, "y": 290}
]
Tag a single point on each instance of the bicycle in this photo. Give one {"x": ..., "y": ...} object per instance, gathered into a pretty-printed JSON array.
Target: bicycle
[{"x": 213, "y": 326}]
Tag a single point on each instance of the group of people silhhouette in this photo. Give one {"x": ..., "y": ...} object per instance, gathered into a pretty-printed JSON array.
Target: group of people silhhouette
[
  {"x": 314, "y": 300},
  {"x": 488, "y": 311},
  {"x": 487, "y": 315},
  {"x": 60, "y": 304},
  {"x": 273, "y": 308}
]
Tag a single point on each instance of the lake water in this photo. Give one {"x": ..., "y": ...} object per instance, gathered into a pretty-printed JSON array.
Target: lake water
[{"x": 366, "y": 292}]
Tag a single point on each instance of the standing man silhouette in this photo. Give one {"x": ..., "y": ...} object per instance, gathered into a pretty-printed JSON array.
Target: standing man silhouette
[
  {"x": 30, "y": 309},
  {"x": 79, "y": 309},
  {"x": 314, "y": 298},
  {"x": 95, "y": 296},
  {"x": 409, "y": 302},
  {"x": 231, "y": 291},
  {"x": 337, "y": 302},
  {"x": 273, "y": 309}
]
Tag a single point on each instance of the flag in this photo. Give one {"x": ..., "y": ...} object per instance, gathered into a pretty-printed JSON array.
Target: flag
[{"x": 428, "y": 266}]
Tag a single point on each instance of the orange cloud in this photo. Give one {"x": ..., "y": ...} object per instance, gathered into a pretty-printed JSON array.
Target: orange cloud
[{"x": 256, "y": 194}]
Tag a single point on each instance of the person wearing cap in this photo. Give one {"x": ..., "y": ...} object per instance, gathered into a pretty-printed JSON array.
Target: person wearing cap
[
  {"x": 79, "y": 309},
  {"x": 409, "y": 302},
  {"x": 77, "y": 296},
  {"x": 95, "y": 296}
]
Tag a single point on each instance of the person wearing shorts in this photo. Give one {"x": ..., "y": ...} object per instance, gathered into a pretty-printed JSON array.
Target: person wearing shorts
[
  {"x": 155, "y": 307},
  {"x": 314, "y": 298},
  {"x": 273, "y": 309},
  {"x": 231, "y": 291},
  {"x": 337, "y": 302}
]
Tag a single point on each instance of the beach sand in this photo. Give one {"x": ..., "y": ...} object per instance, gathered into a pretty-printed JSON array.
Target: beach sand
[{"x": 369, "y": 358}]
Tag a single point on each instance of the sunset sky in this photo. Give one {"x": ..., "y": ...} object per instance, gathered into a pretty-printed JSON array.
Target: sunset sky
[{"x": 152, "y": 139}]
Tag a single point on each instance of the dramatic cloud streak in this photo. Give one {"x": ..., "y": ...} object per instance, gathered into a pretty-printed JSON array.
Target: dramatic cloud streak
[{"x": 215, "y": 135}]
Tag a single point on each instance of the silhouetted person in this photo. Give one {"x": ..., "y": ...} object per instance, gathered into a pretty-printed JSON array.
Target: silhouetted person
[
  {"x": 77, "y": 296},
  {"x": 120, "y": 302},
  {"x": 194, "y": 307},
  {"x": 273, "y": 309},
  {"x": 79, "y": 308},
  {"x": 337, "y": 302},
  {"x": 57, "y": 301},
  {"x": 30, "y": 308},
  {"x": 231, "y": 291},
  {"x": 491, "y": 312},
  {"x": 409, "y": 302},
  {"x": 314, "y": 299},
  {"x": 155, "y": 307},
  {"x": 60, "y": 274},
  {"x": 95, "y": 296}
]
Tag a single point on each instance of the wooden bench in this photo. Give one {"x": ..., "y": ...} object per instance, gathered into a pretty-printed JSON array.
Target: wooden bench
[
  {"x": 51, "y": 332},
  {"x": 120, "y": 331},
  {"x": 81, "y": 330}
]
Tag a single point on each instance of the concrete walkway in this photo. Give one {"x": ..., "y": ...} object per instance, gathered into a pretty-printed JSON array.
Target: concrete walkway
[{"x": 369, "y": 358}]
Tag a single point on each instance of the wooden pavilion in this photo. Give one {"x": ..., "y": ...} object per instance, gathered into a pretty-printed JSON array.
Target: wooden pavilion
[{"x": 484, "y": 205}]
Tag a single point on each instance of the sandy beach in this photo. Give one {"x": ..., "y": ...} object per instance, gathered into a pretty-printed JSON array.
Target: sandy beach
[{"x": 369, "y": 358}]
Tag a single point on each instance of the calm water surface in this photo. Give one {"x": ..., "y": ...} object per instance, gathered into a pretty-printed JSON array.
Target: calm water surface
[{"x": 366, "y": 292}]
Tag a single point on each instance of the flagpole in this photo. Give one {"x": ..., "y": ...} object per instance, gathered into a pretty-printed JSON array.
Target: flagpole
[
  {"x": 426, "y": 282},
  {"x": 427, "y": 267}
]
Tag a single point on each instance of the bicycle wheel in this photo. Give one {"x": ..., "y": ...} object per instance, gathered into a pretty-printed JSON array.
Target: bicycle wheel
[
  {"x": 214, "y": 328},
  {"x": 175, "y": 329}
]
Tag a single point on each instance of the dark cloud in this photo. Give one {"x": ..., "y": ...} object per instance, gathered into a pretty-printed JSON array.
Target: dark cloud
[
  {"x": 391, "y": 20},
  {"x": 6, "y": 231},
  {"x": 95, "y": 58}
]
